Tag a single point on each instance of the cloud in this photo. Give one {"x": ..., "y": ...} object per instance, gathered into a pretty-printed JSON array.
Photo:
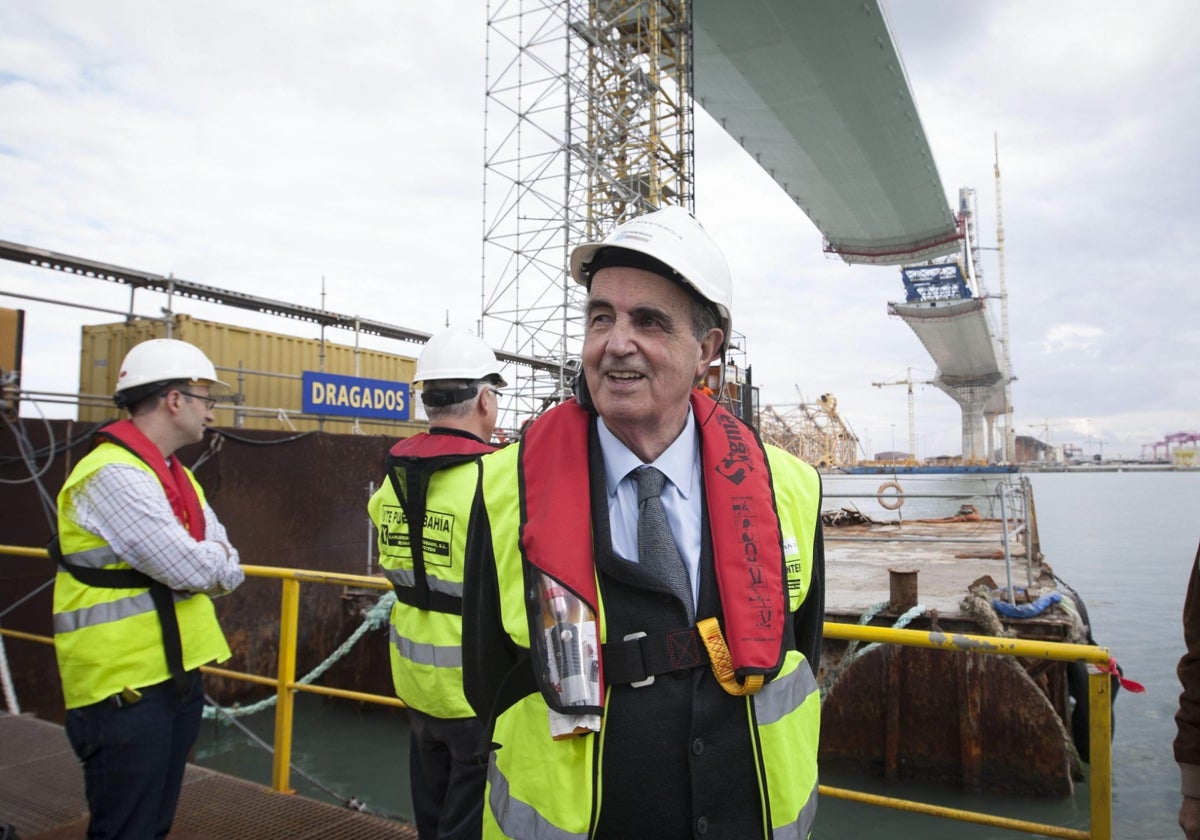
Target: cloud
[{"x": 1072, "y": 338}]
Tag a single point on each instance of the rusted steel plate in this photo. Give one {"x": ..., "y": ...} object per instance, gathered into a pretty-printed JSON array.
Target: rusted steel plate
[{"x": 973, "y": 720}]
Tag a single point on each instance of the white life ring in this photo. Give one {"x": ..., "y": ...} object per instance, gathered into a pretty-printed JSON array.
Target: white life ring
[{"x": 890, "y": 502}]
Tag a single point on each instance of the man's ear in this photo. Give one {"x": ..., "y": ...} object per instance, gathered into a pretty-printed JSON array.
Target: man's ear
[{"x": 710, "y": 350}]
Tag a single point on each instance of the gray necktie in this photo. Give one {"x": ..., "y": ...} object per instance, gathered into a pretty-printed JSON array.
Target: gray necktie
[{"x": 656, "y": 545}]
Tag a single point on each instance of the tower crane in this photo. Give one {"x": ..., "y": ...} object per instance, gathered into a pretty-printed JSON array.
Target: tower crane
[{"x": 912, "y": 424}]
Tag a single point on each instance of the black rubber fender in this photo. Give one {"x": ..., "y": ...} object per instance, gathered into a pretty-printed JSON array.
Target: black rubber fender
[{"x": 1077, "y": 687}]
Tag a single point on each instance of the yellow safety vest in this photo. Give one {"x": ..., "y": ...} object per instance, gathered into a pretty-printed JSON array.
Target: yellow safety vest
[
  {"x": 544, "y": 788},
  {"x": 425, "y": 641},
  {"x": 109, "y": 639}
]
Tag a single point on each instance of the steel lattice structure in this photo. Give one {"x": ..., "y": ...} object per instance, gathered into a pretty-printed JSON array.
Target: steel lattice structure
[
  {"x": 588, "y": 121},
  {"x": 813, "y": 432}
]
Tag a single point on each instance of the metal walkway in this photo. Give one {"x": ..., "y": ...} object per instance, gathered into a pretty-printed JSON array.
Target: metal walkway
[{"x": 41, "y": 796}]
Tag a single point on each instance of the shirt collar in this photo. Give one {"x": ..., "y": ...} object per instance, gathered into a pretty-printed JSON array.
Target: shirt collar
[{"x": 676, "y": 463}]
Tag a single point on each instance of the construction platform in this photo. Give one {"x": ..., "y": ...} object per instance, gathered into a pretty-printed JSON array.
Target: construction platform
[{"x": 41, "y": 797}]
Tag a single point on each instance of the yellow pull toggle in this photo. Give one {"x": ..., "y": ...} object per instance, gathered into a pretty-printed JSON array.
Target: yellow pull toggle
[{"x": 722, "y": 663}]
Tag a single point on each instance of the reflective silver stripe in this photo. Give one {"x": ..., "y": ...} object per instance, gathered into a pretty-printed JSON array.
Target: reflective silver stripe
[
  {"x": 519, "y": 819},
  {"x": 407, "y": 579},
  {"x": 439, "y": 656},
  {"x": 93, "y": 558},
  {"x": 66, "y": 622},
  {"x": 799, "y": 830},
  {"x": 781, "y": 697}
]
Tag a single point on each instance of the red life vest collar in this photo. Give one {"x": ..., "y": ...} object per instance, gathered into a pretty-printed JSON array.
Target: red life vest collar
[
  {"x": 174, "y": 480},
  {"x": 439, "y": 443},
  {"x": 746, "y": 535}
]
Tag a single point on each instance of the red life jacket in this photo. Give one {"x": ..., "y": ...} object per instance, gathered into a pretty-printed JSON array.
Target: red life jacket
[{"x": 746, "y": 535}]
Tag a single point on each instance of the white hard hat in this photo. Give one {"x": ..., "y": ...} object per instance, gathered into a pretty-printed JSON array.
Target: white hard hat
[
  {"x": 165, "y": 360},
  {"x": 457, "y": 353},
  {"x": 672, "y": 236}
]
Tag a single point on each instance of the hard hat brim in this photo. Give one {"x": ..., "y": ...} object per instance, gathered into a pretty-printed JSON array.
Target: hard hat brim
[{"x": 581, "y": 256}]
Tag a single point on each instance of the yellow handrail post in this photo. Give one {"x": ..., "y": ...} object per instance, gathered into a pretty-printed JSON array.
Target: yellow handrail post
[
  {"x": 289, "y": 620},
  {"x": 1100, "y": 752}
]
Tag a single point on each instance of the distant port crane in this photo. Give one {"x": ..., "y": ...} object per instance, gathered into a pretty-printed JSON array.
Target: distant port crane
[{"x": 1177, "y": 438}]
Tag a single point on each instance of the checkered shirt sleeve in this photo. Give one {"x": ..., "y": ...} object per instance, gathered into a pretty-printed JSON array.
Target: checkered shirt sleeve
[{"x": 126, "y": 507}]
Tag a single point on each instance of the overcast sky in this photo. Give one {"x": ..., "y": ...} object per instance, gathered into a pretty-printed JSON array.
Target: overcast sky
[{"x": 250, "y": 148}]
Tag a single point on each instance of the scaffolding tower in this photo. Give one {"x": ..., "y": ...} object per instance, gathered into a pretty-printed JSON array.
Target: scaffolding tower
[{"x": 587, "y": 122}]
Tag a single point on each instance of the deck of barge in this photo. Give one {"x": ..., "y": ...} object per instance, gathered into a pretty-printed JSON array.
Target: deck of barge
[
  {"x": 947, "y": 557},
  {"x": 41, "y": 797}
]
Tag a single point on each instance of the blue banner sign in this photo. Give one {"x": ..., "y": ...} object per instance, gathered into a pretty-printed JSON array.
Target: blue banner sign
[{"x": 352, "y": 396}]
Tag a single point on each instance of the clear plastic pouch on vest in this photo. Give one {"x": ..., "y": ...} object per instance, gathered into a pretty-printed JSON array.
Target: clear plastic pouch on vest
[{"x": 569, "y": 651}]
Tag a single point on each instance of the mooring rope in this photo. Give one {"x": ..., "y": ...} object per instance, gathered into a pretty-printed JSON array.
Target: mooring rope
[
  {"x": 376, "y": 617},
  {"x": 852, "y": 651}
]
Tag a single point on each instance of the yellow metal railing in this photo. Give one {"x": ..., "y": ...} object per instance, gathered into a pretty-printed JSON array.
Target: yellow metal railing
[
  {"x": 1099, "y": 694},
  {"x": 285, "y": 682}
]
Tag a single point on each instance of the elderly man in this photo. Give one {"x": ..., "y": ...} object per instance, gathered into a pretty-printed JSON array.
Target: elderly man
[
  {"x": 421, "y": 513},
  {"x": 139, "y": 553},
  {"x": 643, "y": 605}
]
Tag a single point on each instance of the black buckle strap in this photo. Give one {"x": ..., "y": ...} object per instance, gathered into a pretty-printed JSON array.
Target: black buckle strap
[
  {"x": 640, "y": 657},
  {"x": 160, "y": 595},
  {"x": 433, "y": 601}
]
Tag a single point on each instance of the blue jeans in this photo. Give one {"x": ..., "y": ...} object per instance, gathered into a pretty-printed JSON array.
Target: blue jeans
[
  {"x": 447, "y": 776},
  {"x": 133, "y": 756}
]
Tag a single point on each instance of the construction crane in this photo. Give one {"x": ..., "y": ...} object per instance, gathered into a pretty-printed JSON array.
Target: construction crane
[
  {"x": 1010, "y": 442},
  {"x": 912, "y": 423}
]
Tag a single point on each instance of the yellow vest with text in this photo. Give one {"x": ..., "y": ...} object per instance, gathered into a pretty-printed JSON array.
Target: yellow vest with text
[
  {"x": 109, "y": 639},
  {"x": 426, "y": 645},
  {"x": 538, "y": 787}
]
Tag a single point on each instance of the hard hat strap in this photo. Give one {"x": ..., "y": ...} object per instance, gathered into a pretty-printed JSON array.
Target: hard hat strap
[{"x": 442, "y": 398}]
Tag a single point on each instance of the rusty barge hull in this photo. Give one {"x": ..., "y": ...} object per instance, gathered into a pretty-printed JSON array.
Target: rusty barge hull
[{"x": 982, "y": 722}]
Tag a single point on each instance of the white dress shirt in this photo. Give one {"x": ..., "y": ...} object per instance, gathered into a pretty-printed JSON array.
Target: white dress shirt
[{"x": 681, "y": 495}]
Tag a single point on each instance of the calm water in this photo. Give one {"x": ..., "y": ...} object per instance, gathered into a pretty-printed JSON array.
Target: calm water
[{"x": 1125, "y": 541}]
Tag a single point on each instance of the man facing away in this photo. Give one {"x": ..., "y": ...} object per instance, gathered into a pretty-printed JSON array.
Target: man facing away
[
  {"x": 139, "y": 553},
  {"x": 646, "y": 683},
  {"x": 421, "y": 514}
]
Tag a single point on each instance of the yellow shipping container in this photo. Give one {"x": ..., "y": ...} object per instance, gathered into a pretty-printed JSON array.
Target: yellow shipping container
[{"x": 264, "y": 370}]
